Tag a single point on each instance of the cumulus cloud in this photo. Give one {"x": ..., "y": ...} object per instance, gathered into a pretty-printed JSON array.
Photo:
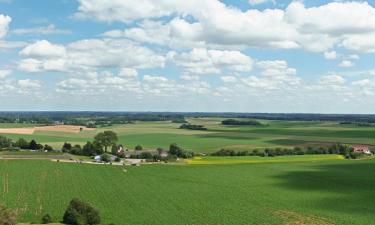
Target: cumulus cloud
[
  {"x": 330, "y": 55},
  {"x": 346, "y": 63},
  {"x": 204, "y": 61},
  {"x": 4, "y": 25},
  {"x": 332, "y": 80},
  {"x": 49, "y": 29},
  {"x": 317, "y": 29},
  {"x": 257, "y": 2},
  {"x": 89, "y": 54},
  {"x": 4, "y": 73},
  {"x": 43, "y": 48}
]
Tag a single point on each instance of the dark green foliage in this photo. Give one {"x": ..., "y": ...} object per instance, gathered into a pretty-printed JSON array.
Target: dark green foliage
[
  {"x": 33, "y": 145},
  {"x": 22, "y": 143},
  {"x": 81, "y": 213},
  {"x": 46, "y": 219},
  {"x": 5, "y": 142},
  {"x": 76, "y": 150},
  {"x": 192, "y": 127},
  {"x": 91, "y": 149},
  {"x": 177, "y": 151},
  {"x": 106, "y": 139},
  {"x": 179, "y": 120},
  {"x": 106, "y": 157},
  {"x": 138, "y": 148},
  {"x": 66, "y": 147},
  {"x": 48, "y": 148},
  {"x": 240, "y": 122}
]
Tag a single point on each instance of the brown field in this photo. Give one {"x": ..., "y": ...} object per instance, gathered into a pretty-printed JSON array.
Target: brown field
[{"x": 56, "y": 128}]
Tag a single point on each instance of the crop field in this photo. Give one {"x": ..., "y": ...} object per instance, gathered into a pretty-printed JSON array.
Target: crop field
[
  {"x": 310, "y": 192},
  {"x": 162, "y": 134}
]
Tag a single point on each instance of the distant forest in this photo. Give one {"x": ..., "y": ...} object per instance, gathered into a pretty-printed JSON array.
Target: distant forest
[{"x": 92, "y": 118}]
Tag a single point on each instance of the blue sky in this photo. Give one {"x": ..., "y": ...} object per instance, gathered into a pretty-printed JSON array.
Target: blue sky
[{"x": 200, "y": 55}]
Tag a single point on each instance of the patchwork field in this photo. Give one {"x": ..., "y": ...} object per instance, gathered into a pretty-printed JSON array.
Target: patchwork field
[
  {"x": 162, "y": 134},
  {"x": 312, "y": 192}
]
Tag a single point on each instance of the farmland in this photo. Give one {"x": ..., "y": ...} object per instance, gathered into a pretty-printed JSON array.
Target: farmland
[
  {"x": 310, "y": 192},
  {"x": 217, "y": 136}
]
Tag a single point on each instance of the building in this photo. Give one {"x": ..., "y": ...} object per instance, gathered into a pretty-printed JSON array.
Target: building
[{"x": 364, "y": 149}]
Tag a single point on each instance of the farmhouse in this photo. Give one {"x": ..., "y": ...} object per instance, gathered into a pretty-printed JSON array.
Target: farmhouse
[{"x": 364, "y": 149}]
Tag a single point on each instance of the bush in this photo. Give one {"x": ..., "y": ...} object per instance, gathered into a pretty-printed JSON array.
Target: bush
[
  {"x": 138, "y": 148},
  {"x": 80, "y": 213},
  {"x": 46, "y": 219},
  {"x": 48, "y": 148},
  {"x": 106, "y": 158}
]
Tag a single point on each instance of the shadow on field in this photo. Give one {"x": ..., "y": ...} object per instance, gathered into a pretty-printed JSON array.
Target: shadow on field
[{"x": 344, "y": 187}]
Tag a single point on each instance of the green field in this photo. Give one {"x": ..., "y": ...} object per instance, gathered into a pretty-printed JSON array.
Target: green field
[
  {"x": 312, "y": 192},
  {"x": 162, "y": 134}
]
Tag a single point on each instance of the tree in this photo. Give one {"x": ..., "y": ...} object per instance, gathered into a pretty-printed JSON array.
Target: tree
[
  {"x": 22, "y": 143},
  {"x": 88, "y": 149},
  {"x": 7, "y": 216},
  {"x": 5, "y": 142},
  {"x": 106, "y": 157},
  {"x": 106, "y": 139},
  {"x": 114, "y": 149},
  {"x": 33, "y": 145},
  {"x": 66, "y": 147},
  {"x": 81, "y": 213},
  {"x": 76, "y": 150},
  {"x": 138, "y": 148},
  {"x": 46, "y": 219},
  {"x": 48, "y": 148}
]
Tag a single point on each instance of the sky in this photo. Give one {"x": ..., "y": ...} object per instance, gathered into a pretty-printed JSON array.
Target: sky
[{"x": 292, "y": 56}]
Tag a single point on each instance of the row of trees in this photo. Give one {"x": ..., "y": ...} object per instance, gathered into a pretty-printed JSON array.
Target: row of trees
[
  {"x": 241, "y": 122},
  {"x": 192, "y": 127},
  {"x": 6, "y": 143},
  {"x": 333, "y": 149}
]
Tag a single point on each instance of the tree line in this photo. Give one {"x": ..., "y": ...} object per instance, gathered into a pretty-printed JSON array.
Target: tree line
[{"x": 337, "y": 148}]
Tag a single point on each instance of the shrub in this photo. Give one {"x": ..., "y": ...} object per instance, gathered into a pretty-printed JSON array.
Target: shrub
[
  {"x": 138, "y": 148},
  {"x": 46, "y": 219},
  {"x": 81, "y": 213}
]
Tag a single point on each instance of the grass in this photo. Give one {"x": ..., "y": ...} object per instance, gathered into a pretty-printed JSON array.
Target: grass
[
  {"x": 308, "y": 192},
  {"x": 284, "y": 134}
]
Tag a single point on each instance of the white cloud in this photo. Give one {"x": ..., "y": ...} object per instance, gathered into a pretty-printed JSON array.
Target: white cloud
[
  {"x": 128, "y": 72},
  {"x": 4, "y": 25},
  {"x": 49, "y": 29},
  {"x": 257, "y": 2},
  {"x": 346, "y": 63},
  {"x": 89, "y": 54},
  {"x": 330, "y": 55},
  {"x": 29, "y": 85},
  {"x": 43, "y": 48},
  {"x": 316, "y": 29},
  {"x": 228, "y": 79},
  {"x": 4, "y": 73},
  {"x": 204, "y": 61},
  {"x": 332, "y": 80}
]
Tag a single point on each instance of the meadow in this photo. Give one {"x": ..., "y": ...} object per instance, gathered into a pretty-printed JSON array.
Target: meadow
[
  {"x": 151, "y": 135},
  {"x": 309, "y": 192}
]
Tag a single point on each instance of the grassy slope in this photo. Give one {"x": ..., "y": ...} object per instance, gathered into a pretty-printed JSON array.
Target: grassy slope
[
  {"x": 276, "y": 134},
  {"x": 339, "y": 192}
]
